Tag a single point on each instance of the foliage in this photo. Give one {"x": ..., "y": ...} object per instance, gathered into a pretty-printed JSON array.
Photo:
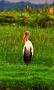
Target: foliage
[{"x": 33, "y": 17}]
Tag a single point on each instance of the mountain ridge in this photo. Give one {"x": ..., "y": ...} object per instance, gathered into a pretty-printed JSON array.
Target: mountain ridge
[{"x": 7, "y": 5}]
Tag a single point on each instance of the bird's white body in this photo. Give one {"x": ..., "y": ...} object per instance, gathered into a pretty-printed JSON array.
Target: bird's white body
[{"x": 28, "y": 45}]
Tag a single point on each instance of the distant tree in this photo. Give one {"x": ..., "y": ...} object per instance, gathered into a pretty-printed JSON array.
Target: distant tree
[
  {"x": 46, "y": 3},
  {"x": 53, "y": 2}
]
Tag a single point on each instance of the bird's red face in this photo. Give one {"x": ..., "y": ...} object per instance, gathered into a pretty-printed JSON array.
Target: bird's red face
[
  {"x": 27, "y": 33},
  {"x": 25, "y": 38}
]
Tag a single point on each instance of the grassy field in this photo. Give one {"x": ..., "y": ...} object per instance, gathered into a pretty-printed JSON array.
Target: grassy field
[{"x": 14, "y": 74}]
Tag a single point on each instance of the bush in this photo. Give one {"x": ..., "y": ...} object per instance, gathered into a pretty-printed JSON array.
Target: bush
[
  {"x": 37, "y": 17},
  {"x": 7, "y": 19},
  {"x": 45, "y": 21}
]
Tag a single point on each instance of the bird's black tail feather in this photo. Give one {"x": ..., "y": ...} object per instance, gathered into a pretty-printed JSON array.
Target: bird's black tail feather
[{"x": 27, "y": 59}]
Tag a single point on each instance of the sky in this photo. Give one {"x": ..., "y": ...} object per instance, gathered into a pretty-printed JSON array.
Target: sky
[{"x": 33, "y": 1}]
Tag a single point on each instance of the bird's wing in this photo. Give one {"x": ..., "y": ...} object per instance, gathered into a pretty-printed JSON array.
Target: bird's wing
[
  {"x": 32, "y": 50},
  {"x": 23, "y": 49}
]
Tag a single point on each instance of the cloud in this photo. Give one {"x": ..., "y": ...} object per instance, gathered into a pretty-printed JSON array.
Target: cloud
[
  {"x": 33, "y": 1},
  {"x": 41, "y": 1},
  {"x": 13, "y": 0}
]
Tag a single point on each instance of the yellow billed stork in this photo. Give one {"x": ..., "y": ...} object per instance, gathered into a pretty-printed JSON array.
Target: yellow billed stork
[{"x": 28, "y": 48}]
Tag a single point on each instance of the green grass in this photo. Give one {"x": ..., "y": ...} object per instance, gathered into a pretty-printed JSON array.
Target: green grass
[
  {"x": 23, "y": 77},
  {"x": 14, "y": 74}
]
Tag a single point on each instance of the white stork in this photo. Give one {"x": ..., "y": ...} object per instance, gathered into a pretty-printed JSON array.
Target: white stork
[{"x": 28, "y": 48}]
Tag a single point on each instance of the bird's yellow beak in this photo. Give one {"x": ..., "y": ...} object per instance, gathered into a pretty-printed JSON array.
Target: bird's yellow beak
[{"x": 23, "y": 40}]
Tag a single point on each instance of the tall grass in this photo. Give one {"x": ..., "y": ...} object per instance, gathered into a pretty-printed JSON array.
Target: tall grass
[
  {"x": 11, "y": 49},
  {"x": 14, "y": 74}
]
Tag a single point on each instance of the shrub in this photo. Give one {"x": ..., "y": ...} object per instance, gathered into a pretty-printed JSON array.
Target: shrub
[
  {"x": 45, "y": 21},
  {"x": 37, "y": 17}
]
